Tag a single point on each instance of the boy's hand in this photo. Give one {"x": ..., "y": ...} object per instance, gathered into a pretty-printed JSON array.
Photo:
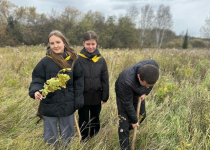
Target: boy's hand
[
  {"x": 103, "y": 102},
  {"x": 142, "y": 97},
  {"x": 135, "y": 125}
]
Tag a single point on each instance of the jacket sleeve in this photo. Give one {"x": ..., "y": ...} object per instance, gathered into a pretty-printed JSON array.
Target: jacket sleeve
[
  {"x": 78, "y": 85},
  {"x": 38, "y": 79},
  {"x": 105, "y": 82},
  {"x": 125, "y": 93},
  {"x": 149, "y": 90}
]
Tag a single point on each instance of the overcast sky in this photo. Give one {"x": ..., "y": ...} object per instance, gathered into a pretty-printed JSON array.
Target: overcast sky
[{"x": 187, "y": 14}]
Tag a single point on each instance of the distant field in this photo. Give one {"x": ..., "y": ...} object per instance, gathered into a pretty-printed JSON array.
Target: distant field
[{"x": 178, "y": 115}]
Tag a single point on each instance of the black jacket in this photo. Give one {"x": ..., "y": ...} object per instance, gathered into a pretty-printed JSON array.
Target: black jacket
[
  {"x": 62, "y": 102},
  {"x": 128, "y": 88},
  {"x": 96, "y": 78}
]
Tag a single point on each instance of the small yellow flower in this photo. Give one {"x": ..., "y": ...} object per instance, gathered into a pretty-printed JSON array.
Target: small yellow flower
[{"x": 165, "y": 89}]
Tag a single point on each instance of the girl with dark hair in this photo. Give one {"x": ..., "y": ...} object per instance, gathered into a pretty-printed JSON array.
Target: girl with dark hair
[
  {"x": 96, "y": 88},
  {"x": 60, "y": 105}
]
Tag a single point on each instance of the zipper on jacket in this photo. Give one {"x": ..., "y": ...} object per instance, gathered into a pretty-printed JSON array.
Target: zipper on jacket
[{"x": 92, "y": 75}]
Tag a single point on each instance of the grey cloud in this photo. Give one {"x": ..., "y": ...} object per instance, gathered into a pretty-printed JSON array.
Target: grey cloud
[
  {"x": 129, "y": 0},
  {"x": 187, "y": 14}
]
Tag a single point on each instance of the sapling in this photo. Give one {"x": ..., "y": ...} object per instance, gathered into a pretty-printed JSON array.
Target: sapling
[{"x": 55, "y": 83}]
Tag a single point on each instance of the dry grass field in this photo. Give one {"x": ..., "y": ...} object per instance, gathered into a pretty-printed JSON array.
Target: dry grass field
[{"x": 178, "y": 108}]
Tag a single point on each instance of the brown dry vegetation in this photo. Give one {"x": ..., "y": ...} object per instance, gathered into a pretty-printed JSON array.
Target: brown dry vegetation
[{"x": 177, "y": 108}]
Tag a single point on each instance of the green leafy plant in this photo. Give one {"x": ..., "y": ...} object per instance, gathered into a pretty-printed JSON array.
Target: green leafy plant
[{"x": 56, "y": 83}]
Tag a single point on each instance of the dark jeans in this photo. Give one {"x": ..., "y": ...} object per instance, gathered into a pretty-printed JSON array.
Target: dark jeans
[
  {"x": 91, "y": 121},
  {"x": 125, "y": 124}
]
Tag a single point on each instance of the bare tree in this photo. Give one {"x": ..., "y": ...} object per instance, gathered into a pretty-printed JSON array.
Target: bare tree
[
  {"x": 71, "y": 15},
  {"x": 163, "y": 22},
  {"x": 132, "y": 13},
  {"x": 205, "y": 29},
  {"x": 70, "y": 19},
  {"x": 5, "y": 10},
  {"x": 146, "y": 22}
]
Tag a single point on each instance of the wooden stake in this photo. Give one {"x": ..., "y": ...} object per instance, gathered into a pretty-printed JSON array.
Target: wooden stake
[
  {"x": 135, "y": 129},
  {"x": 77, "y": 126}
]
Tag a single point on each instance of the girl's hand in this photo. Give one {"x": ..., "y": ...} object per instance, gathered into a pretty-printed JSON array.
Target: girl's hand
[
  {"x": 38, "y": 96},
  {"x": 103, "y": 102}
]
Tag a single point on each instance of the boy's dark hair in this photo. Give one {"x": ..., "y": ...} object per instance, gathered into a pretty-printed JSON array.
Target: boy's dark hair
[{"x": 149, "y": 73}]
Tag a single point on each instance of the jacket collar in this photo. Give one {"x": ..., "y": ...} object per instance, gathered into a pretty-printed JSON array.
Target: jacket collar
[{"x": 90, "y": 55}]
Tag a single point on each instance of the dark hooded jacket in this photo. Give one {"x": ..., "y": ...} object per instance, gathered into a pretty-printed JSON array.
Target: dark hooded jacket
[
  {"x": 62, "y": 102},
  {"x": 96, "y": 77},
  {"x": 128, "y": 88}
]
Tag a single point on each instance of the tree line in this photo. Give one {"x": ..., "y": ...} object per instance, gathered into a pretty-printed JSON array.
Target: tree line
[{"x": 134, "y": 29}]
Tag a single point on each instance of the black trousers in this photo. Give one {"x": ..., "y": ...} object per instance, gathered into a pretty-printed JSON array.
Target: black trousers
[
  {"x": 89, "y": 120},
  {"x": 125, "y": 123}
]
